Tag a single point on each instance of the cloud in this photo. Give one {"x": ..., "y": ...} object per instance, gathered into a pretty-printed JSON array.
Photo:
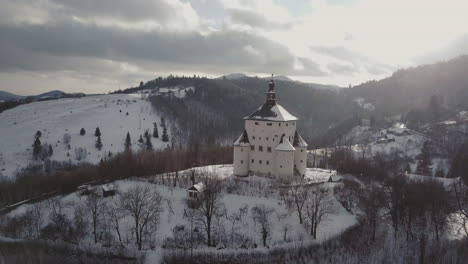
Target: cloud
[
  {"x": 355, "y": 62},
  {"x": 56, "y": 47},
  {"x": 255, "y": 19},
  {"x": 456, "y": 48},
  {"x": 341, "y": 69}
]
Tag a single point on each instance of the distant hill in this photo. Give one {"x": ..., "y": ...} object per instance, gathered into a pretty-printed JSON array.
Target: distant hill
[
  {"x": 213, "y": 110},
  {"x": 413, "y": 88},
  {"x": 233, "y": 76},
  {"x": 6, "y": 96}
]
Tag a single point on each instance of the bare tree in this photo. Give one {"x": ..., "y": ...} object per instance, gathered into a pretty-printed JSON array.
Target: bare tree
[
  {"x": 372, "y": 202},
  {"x": 394, "y": 199},
  {"x": 461, "y": 203},
  {"x": 37, "y": 217},
  {"x": 113, "y": 215},
  {"x": 297, "y": 195},
  {"x": 208, "y": 204},
  {"x": 318, "y": 208},
  {"x": 95, "y": 205},
  {"x": 261, "y": 215},
  {"x": 142, "y": 204}
]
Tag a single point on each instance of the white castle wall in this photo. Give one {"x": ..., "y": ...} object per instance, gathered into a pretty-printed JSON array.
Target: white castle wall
[
  {"x": 284, "y": 163},
  {"x": 267, "y": 134},
  {"x": 241, "y": 160}
]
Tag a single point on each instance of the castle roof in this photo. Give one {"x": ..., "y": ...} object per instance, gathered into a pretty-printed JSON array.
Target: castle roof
[
  {"x": 299, "y": 141},
  {"x": 271, "y": 112},
  {"x": 242, "y": 140},
  {"x": 285, "y": 145}
]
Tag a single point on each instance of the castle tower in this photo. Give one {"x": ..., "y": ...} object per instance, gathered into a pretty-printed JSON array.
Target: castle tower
[{"x": 265, "y": 145}]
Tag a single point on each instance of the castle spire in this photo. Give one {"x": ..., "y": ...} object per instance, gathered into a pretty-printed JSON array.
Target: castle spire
[{"x": 271, "y": 94}]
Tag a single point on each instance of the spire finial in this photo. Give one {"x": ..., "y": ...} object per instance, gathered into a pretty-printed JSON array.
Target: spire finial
[{"x": 271, "y": 85}]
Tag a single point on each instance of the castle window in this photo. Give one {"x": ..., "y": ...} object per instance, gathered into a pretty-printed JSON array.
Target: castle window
[
  {"x": 259, "y": 138},
  {"x": 269, "y": 124},
  {"x": 267, "y": 138},
  {"x": 253, "y": 137},
  {"x": 301, "y": 161},
  {"x": 253, "y": 160},
  {"x": 269, "y": 149},
  {"x": 260, "y": 148},
  {"x": 286, "y": 124},
  {"x": 260, "y": 161},
  {"x": 302, "y": 150},
  {"x": 268, "y": 162},
  {"x": 279, "y": 124},
  {"x": 242, "y": 162},
  {"x": 252, "y": 147},
  {"x": 256, "y": 123},
  {"x": 281, "y": 166}
]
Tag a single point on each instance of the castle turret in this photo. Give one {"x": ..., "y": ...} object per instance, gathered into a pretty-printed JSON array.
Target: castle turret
[{"x": 241, "y": 155}]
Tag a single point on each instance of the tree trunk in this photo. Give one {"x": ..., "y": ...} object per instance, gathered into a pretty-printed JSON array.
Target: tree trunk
[{"x": 208, "y": 231}]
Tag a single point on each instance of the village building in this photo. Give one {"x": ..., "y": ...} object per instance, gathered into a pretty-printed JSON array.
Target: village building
[
  {"x": 195, "y": 190},
  {"x": 270, "y": 143},
  {"x": 108, "y": 190}
]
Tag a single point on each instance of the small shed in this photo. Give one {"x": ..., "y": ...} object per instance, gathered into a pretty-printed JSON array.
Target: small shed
[
  {"x": 195, "y": 190},
  {"x": 108, "y": 190}
]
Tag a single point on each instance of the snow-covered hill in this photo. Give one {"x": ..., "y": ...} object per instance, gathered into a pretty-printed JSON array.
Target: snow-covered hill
[{"x": 115, "y": 115}]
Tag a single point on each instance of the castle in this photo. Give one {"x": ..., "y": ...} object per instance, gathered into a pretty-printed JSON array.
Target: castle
[{"x": 270, "y": 143}]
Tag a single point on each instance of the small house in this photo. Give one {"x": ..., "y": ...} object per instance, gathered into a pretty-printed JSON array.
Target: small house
[
  {"x": 108, "y": 190},
  {"x": 195, "y": 190}
]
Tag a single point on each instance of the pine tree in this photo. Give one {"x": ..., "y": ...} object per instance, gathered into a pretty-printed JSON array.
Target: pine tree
[
  {"x": 37, "y": 148},
  {"x": 140, "y": 140},
  {"x": 82, "y": 132},
  {"x": 165, "y": 136},
  {"x": 148, "y": 144},
  {"x": 38, "y": 134},
  {"x": 51, "y": 151},
  {"x": 128, "y": 142},
  {"x": 99, "y": 143},
  {"x": 425, "y": 160},
  {"x": 97, "y": 133},
  {"x": 440, "y": 172},
  {"x": 155, "y": 130}
]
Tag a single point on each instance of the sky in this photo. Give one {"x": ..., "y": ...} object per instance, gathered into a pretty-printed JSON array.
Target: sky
[{"x": 99, "y": 46}]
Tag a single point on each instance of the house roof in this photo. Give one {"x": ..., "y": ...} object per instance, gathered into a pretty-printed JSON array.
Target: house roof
[
  {"x": 242, "y": 140},
  {"x": 108, "y": 187},
  {"x": 299, "y": 141},
  {"x": 199, "y": 187},
  {"x": 271, "y": 112},
  {"x": 285, "y": 145}
]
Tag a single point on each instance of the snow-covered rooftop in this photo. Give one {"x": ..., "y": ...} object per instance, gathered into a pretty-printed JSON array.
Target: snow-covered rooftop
[
  {"x": 271, "y": 112},
  {"x": 108, "y": 187},
  {"x": 197, "y": 187},
  {"x": 299, "y": 141},
  {"x": 285, "y": 145},
  {"x": 243, "y": 140}
]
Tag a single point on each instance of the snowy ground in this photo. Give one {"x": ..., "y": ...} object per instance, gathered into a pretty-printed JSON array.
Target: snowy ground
[
  {"x": 176, "y": 200},
  {"x": 56, "y": 117}
]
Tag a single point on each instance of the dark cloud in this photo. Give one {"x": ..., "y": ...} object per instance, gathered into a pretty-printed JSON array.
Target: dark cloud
[
  {"x": 253, "y": 19},
  {"x": 36, "y": 47},
  {"x": 133, "y": 10}
]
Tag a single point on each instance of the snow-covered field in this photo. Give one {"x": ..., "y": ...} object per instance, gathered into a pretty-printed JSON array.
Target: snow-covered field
[
  {"x": 175, "y": 206},
  {"x": 115, "y": 115}
]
